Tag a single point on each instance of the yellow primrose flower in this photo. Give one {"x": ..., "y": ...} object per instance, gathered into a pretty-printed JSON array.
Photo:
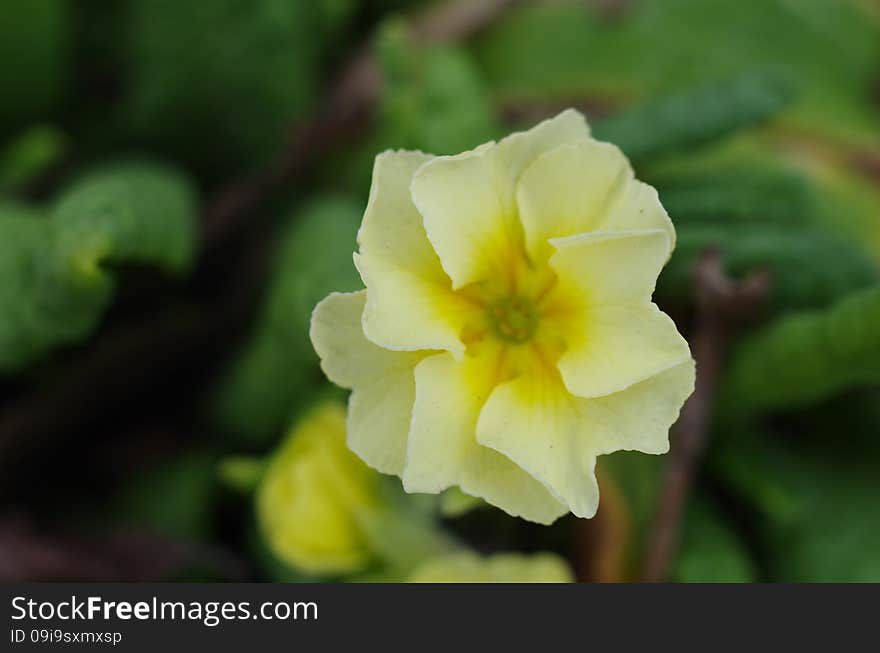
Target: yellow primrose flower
[
  {"x": 311, "y": 494},
  {"x": 506, "y": 336},
  {"x": 467, "y": 567}
]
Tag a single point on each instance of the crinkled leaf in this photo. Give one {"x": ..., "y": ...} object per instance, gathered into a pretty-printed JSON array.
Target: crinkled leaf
[
  {"x": 813, "y": 509},
  {"x": 562, "y": 50},
  {"x": 810, "y": 266},
  {"x": 54, "y": 285},
  {"x": 758, "y": 195},
  {"x": 688, "y": 119},
  {"x": 807, "y": 357}
]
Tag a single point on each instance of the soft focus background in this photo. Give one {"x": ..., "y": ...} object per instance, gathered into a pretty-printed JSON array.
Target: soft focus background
[{"x": 180, "y": 183}]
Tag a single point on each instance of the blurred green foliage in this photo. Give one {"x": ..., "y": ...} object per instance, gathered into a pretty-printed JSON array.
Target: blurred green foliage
[
  {"x": 35, "y": 46},
  {"x": 276, "y": 372},
  {"x": 435, "y": 100},
  {"x": 54, "y": 285},
  {"x": 827, "y": 48},
  {"x": 816, "y": 517},
  {"x": 807, "y": 357},
  {"x": 217, "y": 83},
  {"x": 758, "y": 122},
  {"x": 711, "y": 549},
  {"x": 28, "y": 156},
  {"x": 173, "y": 497},
  {"x": 669, "y": 124}
]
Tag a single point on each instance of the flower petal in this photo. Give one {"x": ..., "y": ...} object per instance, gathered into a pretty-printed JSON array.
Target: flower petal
[
  {"x": 612, "y": 347},
  {"x": 442, "y": 450},
  {"x": 464, "y": 217},
  {"x": 516, "y": 152},
  {"x": 611, "y": 267},
  {"x": 392, "y": 228},
  {"x": 639, "y": 418},
  {"x": 556, "y": 437},
  {"x": 537, "y": 424},
  {"x": 383, "y": 381},
  {"x": 407, "y": 312},
  {"x": 378, "y": 420},
  {"x": 410, "y": 305},
  {"x": 580, "y": 187},
  {"x": 468, "y": 201},
  {"x": 638, "y": 207}
]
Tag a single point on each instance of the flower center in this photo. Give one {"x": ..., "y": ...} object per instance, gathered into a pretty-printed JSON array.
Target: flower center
[{"x": 514, "y": 318}]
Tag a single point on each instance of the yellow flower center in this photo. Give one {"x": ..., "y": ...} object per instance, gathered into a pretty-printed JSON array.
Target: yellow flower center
[
  {"x": 518, "y": 320},
  {"x": 514, "y": 319}
]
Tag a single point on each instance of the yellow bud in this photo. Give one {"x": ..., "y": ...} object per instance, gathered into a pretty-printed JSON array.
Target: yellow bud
[
  {"x": 311, "y": 495},
  {"x": 466, "y": 567}
]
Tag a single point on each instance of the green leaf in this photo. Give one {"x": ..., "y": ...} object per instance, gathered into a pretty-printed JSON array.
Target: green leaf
[
  {"x": 54, "y": 285},
  {"x": 433, "y": 99},
  {"x": 759, "y": 194},
  {"x": 28, "y": 155},
  {"x": 810, "y": 267},
  {"x": 806, "y": 357},
  {"x": 35, "y": 59},
  {"x": 559, "y": 51},
  {"x": 172, "y": 498},
  {"x": 217, "y": 83},
  {"x": 689, "y": 119},
  {"x": 814, "y": 505},
  {"x": 711, "y": 550},
  {"x": 277, "y": 371}
]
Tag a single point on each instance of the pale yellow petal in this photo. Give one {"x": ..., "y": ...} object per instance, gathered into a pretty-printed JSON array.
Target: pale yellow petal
[
  {"x": 611, "y": 347},
  {"x": 499, "y": 481},
  {"x": 638, "y": 418},
  {"x": 392, "y": 228},
  {"x": 442, "y": 450},
  {"x": 534, "y": 422},
  {"x": 408, "y": 312},
  {"x": 638, "y": 207},
  {"x": 383, "y": 381},
  {"x": 610, "y": 267},
  {"x": 557, "y": 437},
  {"x": 410, "y": 304},
  {"x": 463, "y": 215},
  {"x": 567, "y": 190},
  {"x": 347, "y": 357},
  {"x": 468, "y": 201},
  {"x": 580, "y": 187},
  {"x": 379, "y": 414},
  {"x": 516, "y": 152}
]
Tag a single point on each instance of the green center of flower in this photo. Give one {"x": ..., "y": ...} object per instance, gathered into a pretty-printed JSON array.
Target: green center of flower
[{"x": 514, "y": 319}]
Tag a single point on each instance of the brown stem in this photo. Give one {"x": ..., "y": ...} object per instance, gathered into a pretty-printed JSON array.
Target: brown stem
[{"x": 720, "y": 302}]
